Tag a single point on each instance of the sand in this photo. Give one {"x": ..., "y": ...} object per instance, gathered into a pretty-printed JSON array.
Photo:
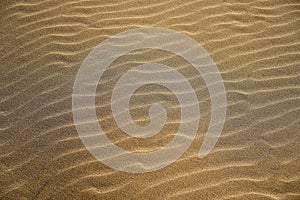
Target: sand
[{"x": 255, "y": 45}]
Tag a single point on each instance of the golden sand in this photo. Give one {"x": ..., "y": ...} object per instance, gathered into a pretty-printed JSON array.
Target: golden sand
[{"x": 255, "y": 45}]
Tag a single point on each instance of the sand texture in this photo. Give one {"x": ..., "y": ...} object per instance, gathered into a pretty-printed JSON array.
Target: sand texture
[{"x": 254, "y": 43}]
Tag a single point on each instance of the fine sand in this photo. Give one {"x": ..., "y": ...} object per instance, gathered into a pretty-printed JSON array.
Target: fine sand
[{"x": 255, "y": 45}]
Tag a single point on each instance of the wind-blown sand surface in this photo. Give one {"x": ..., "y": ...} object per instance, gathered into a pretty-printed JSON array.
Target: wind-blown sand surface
[{"x": 256, "y": 47}]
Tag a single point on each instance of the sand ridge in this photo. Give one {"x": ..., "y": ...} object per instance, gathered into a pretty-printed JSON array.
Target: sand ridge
[{"x": 255, "y": 45}]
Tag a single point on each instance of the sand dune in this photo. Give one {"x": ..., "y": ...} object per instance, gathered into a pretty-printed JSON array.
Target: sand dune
[{"x": 255, "y": 45}]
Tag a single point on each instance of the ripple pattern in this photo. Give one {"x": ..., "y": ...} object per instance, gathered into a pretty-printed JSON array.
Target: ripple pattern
[{"x": 256, "y": 47}]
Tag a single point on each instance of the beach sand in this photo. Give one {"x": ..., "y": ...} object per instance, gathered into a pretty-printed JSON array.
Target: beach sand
[{"x": 255, "y": 45}]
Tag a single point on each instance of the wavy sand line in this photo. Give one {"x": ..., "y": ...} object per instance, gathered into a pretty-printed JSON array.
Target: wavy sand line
[{"x": 257, "y": 152}]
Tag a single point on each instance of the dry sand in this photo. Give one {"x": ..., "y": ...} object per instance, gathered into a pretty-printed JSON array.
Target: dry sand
[{"x": 255, "y": 45}]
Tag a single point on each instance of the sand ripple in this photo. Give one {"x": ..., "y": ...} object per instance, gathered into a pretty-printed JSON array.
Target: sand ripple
[{"x": 254, "y": 43}]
